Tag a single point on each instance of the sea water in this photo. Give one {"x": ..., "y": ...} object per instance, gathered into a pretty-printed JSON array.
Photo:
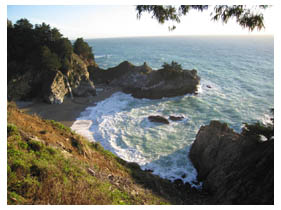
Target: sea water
[{"x": 236, "y": 87}]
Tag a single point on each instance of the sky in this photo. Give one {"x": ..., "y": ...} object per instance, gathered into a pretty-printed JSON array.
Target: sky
[{"x": 97, "y": 21}]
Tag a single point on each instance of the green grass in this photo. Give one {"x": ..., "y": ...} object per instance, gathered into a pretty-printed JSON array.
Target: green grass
[
  {"x": 59, "y": 126},
  {"x": 40, "y": 174}
]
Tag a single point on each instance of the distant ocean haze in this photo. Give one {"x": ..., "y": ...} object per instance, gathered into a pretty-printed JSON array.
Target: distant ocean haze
[{"x": 237, "y": 86}]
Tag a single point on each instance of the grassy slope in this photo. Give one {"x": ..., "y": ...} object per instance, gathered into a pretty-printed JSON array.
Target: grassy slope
[{"x": 50, "y": 164}]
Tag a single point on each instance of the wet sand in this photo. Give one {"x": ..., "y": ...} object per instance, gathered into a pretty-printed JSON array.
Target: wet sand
[{"x": 70, "y": 109}]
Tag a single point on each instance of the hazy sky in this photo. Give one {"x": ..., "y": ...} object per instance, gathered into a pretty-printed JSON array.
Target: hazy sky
[{"x": 121, "y": 21}]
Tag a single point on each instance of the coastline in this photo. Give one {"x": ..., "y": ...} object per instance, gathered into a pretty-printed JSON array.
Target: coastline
[{"x": 67, "y": 112}]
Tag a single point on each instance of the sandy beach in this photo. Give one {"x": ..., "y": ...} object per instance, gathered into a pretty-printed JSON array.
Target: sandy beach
[{"x": 70, "y": 109}]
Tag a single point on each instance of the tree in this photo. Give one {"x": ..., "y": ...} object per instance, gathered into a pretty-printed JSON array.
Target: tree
[
  {"x": 83, "y": 49},
  {"x": 250, "y": 18},
  {"x": 49, "y": 60},
  {"x": 9, "y": 24},
  {"x": 174, "y": 66},
  {"x": 23, "y": 24},
  {"x": 63, "y": 48}
]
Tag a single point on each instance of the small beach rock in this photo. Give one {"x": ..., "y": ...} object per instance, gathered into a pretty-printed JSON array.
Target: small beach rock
[
  {"x": 208, "y": 86},
  {"x": 176, "y": 118},
  {"x": 158, "y": 119}
]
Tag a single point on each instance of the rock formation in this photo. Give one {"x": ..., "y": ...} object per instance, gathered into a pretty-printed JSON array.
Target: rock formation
[
  {"x": 158, "y": 119},
  {"x": 53, "y": 86},
  {"x": 176, "y": 118},
  {"x": 143, "y": 82},
  {"x": 235, "y": 169}
]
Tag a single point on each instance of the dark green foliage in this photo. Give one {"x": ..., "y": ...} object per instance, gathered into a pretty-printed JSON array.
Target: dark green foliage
[
  {"x": 23, "y": 24},
  {"x": 244, "y": 17},
  {"x": 40, "y": 48},
  {"x": 12, "y": 129},
  {"x": 34, "y": 145},
  {"x": 63, "y": 48},
  {"x": 77, "y": 144},
  {"x": 247, "y": 18},
  {"x": 174, "y": 66},
  {"x": 49, "y": 60},
  {"x": 82, "y": 48}
]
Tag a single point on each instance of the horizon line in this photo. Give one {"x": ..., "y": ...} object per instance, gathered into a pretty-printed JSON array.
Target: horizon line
[{"x": 191, "y": 35}]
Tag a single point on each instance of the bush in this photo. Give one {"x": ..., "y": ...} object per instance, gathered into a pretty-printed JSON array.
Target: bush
[
  {"x": 34, "y": 145},
  {"x": 12, "y": 130},
  {"x": 174, "y": 66},
  {"x": 82, "y": 48},
  {"x": 77, "y": 144}
]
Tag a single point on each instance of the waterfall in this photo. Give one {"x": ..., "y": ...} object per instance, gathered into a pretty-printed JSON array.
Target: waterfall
[{"x": 68, "y": 87}]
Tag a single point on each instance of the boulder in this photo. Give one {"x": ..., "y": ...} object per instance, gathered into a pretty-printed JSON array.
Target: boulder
[
  {"x": 54, "y": 88},
  {"x": 158, "y": 119},
  {"x": 176, "y": 118},
  {"x": 233, "y": 168}
]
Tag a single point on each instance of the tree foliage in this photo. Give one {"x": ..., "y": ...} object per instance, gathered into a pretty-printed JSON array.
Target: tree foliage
[
  {"x": 49, "y": 60},
  {"x": 82, "y": 48},
  {"x": 40, "y": 47},
  {"x": 174, "y": 66},
  {"x": 251, "y": 18}
]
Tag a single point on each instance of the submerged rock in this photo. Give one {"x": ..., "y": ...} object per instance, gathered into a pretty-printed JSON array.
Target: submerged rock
[
  {"x": 176, "y": 118},
  {"x": 235, "y": 169},
  {"x": 158, "y": 119},
  {"x": 143, "y": 82}
]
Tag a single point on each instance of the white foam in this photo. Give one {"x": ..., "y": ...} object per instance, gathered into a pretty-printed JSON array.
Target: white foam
[
  {"x": 82, "y": 127},
  {"x": 266, "y": 119},
  {"x": 115, "y": 121},
  {"x": 103, "y": 56}
]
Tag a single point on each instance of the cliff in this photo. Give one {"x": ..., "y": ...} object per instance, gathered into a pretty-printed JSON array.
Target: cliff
[
  {"x": 234, "y": 168},
  {"x": 53, "y": 85}
]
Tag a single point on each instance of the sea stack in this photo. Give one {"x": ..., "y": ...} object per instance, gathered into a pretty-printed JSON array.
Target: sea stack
[{"x": 143, "y": 82}]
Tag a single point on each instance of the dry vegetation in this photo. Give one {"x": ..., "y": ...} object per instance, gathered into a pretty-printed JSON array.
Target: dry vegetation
[{"x": 50, "y": 164}]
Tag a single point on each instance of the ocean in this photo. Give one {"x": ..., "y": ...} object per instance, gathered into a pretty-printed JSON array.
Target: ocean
[{"x": 236, "y": 87}]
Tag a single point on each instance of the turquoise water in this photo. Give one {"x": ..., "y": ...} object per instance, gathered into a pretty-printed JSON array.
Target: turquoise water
[{"x": 240, "y": 71}]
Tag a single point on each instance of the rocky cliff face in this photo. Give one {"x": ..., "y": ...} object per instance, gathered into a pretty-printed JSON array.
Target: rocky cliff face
[
  {"x": 233, "y": 168},
  {"x": 53, "y": 86},
  {"x": 143, "y": 82},
  {"x": 78, "y": 77}
]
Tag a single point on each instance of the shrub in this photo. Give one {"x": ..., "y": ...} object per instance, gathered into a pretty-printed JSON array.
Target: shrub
[
  {"x": 34, "y": 145},
  {"x": 174, "y": 66},
  {"x": 77, "y": 144},
  {"x": 12, "y": 130}
]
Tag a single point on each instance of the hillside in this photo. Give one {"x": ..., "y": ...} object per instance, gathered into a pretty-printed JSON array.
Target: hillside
[{"x": 50, "y": 164}]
